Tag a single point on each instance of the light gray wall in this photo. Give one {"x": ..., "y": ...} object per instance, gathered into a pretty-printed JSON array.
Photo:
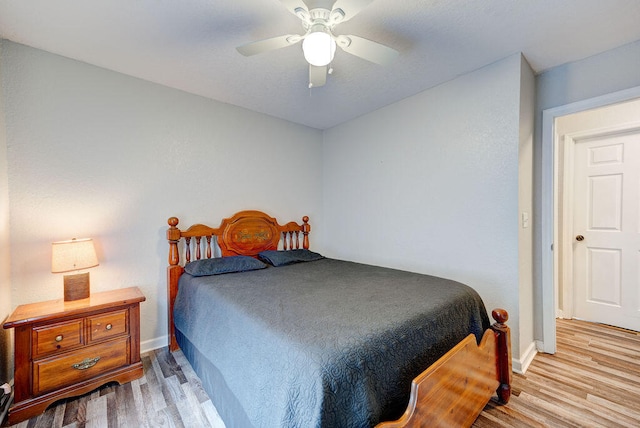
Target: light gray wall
[
  {"x": 608, "y": 72},
  {"x": 94, "y": 153},
  {"x": 611, "y": 71},
  {"x": 430, "y": 184},
  {"x": 525, "y": 208},
  {"x": 6, "y": 354}
]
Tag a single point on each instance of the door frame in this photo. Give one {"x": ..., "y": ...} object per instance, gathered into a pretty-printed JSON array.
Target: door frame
[
  {"x": 549, "y": 215},
  {"x": 566, "y": 234}
]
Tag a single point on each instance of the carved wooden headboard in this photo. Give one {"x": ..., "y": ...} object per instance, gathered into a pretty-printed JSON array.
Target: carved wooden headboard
[{"x": 246, "y": 233}]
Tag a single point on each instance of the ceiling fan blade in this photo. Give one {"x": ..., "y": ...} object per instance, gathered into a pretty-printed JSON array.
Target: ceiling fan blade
[
  {"x": 265, "y": 45},
  {"x": 292, "y": 5},
  {"x": 351, "y": 7},
  {"x": 366, "y": 49},
  {"x": 317, "y": 76}
]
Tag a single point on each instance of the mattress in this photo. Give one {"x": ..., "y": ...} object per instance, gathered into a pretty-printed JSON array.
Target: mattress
[{"x": 327, "y": 343}]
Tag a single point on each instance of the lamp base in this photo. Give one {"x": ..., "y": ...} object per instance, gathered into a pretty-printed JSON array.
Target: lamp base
[{"x": 76, "y": 287}]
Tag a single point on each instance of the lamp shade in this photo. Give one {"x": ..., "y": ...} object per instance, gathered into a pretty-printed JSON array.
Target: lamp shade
[
  {"x": 75, "y": 254},
  {"x": 319, "y": 48}
]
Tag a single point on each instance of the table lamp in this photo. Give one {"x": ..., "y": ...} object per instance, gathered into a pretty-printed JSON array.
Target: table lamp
[{"x": 74, "y": 255}]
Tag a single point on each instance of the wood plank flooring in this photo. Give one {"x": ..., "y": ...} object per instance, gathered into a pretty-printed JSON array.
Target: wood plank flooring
[
  {"x": 169, "y": 394},
  {"x": 592, "y": 381}
]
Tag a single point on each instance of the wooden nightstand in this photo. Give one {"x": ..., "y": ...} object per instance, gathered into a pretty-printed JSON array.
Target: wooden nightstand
[{"x": 64, "y": 349}]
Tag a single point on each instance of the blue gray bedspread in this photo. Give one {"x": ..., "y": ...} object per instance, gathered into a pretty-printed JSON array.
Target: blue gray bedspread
[{"x": 327, "y": 343}]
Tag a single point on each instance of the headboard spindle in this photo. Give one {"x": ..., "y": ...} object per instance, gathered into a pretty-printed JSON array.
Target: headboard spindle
[{"x": 187, "y": 251}]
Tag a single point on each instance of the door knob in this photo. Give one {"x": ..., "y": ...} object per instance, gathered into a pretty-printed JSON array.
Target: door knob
[{"x": 579, "y": 238}]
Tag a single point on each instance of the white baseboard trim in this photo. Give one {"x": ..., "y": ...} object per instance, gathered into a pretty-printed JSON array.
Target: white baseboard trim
[
  {"x": 520, "y": 366},
  {"x": 151, "y": 344}
]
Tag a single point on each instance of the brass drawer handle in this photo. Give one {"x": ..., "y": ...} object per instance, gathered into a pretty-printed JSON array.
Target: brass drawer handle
[
  {"x": 86, "y": 363},
  {"x": 109, "y": 326},
  {"x": 59, "y": 338}
]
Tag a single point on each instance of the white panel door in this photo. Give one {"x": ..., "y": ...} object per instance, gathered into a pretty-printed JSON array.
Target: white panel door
[{"x": 606, "y": 225}]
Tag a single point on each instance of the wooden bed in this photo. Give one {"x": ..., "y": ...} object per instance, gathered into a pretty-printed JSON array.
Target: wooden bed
[{"x": 451, "y": 392}]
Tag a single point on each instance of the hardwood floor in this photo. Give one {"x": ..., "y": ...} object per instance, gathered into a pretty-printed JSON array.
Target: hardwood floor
[
  {"x": 168, "y": 395},
  {"x": 592, "y": 381}
]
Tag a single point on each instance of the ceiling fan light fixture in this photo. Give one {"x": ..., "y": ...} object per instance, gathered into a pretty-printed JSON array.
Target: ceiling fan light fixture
[{"x": 319, "y": 48}]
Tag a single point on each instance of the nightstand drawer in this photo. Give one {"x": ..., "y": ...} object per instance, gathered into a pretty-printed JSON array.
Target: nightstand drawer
[
  {"x": 57, "y": 337},
  {"x": 107, "y": 325},
  {"x": 55, "y": 373}
]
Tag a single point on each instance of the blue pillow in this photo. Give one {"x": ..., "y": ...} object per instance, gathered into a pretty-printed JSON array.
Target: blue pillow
[
  {"x": 283, "y": 258},
  {"x": 221, "y": 265}
]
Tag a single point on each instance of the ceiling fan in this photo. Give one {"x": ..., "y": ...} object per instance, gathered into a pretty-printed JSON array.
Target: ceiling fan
[{"x": 319, "y": 18}]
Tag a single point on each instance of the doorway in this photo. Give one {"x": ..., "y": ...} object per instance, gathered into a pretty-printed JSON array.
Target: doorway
[
  {"x": 598, "y": 215},
  {"x": 552, "y": 235}
]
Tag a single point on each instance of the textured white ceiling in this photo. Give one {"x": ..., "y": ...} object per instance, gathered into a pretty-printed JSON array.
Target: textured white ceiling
[{"x": 190, "y": 45}]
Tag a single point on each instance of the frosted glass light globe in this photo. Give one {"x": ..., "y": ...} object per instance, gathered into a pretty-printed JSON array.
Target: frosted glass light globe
[{"x": 319, "y": 48}]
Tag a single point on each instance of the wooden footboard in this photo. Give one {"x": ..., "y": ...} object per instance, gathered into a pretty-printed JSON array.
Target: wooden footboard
[{"x": 453, "y": 391}]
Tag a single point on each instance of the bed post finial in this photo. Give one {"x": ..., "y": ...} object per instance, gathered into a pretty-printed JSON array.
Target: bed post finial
[
  {"x": 305, "y": 232},
  {"x": 173, "y": 236},
  {"x": 503, "y": 338},
  {"x": 500, "y": 315}
]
